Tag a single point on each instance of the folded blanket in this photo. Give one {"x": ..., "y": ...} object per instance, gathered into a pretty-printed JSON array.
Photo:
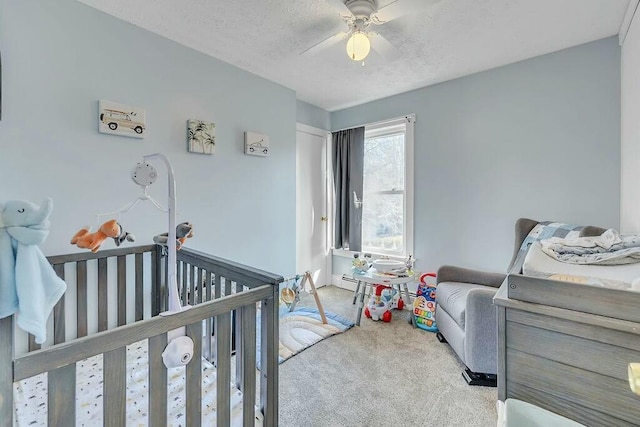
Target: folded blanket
[
  {"x": 28, "y": 284},
  {"x": 610, "y": 248},
  {"x": 543, "y": 230}
]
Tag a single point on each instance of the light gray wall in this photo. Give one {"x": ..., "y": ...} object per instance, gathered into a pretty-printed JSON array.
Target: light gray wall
[
  {"x": 311, "y": 115},
  {"x": 60, "y": 57},
  {"x": 538, "y": 139},
  {"x": 630, "y": 146}
]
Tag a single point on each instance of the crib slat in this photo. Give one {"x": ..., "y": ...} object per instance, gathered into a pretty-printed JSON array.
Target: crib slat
[
  {"x": 218, "y": 288},
  {"x": 236, "y": 339},
  {"x": 139, "y": 285},
  {"x": 32, "y": 343},
  {"x": 157, "y": 382},
  {"x": 269, "y": 341},
  {"x": 217, "y": 293},
  {"x": 223, "y": 371},
  {"x": 192, "y": 286},
  {"x": 62, "y": 396},
  {"x": 6, "y": 372},
  {"x": 227, "y": 287},
  {"x": 184, "y": 282},
  {"x": 209, "y": 279},
  {"x": 114, "y": 387},
  {"x": 206, "y": 284},
  {"x": 122, "y": 290},
  {"x": 59, "y": 332},
  {"x": 156, "y": 272},
  {"x": 248, "y": 346},
  {"x": 103, "y": 305},
  {"x": 81, "y": 296},
  {"x": 193, "y": 375},
  {"x": 236, "y": 345},
  {"x": 200, "y": 285}
]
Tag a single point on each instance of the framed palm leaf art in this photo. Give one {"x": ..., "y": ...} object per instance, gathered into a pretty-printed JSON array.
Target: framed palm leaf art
[{"x": 201, "y": 136}]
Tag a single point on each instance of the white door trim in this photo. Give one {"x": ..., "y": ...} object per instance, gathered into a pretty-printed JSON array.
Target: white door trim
[
  {"x": 324, "y": 135},
  {"x": 312, "y": 130}
]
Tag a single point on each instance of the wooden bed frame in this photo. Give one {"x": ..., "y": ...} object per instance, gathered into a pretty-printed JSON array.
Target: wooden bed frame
[{"x": 214, "y": 287}]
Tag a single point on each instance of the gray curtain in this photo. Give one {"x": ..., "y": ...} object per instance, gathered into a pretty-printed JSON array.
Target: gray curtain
[{"x": 348, "y": 160}]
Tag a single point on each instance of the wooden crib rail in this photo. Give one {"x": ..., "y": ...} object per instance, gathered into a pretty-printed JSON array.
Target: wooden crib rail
[
  {"x": 107, "y": 253},
  {"x": 211, "y": 268},
  {"x": 59, "y": 355},
  {"x": 207, "y": 282},
  {"x": 231, "y": 270},
  {"x": 60, "y": 363}
]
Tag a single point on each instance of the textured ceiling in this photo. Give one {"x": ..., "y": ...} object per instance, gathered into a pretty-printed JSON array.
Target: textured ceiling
[{"x": 437, "y": 41}]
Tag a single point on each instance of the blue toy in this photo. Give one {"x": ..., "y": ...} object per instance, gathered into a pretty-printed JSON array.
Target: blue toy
[
  {"x": 424, "y": 306},
  {"x": 360, "y": 265}
]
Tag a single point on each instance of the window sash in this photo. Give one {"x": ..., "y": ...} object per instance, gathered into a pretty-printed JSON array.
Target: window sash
[
  {"x": 387, "y": 131},
  {"x": 404, "y": 124}
]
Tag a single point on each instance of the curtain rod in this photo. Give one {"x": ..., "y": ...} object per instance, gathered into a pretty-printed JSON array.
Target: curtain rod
[{"x": 408, "y": 117}]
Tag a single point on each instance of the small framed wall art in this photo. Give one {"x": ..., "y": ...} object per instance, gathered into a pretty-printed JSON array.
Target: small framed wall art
[
  {"x": 201, "y": 136},
  {"x": 256, "y": 144},
  {"x": 120, "y": 119}
]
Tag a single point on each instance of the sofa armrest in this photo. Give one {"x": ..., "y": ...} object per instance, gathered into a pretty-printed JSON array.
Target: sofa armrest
[
  {"x": 481, "y": 331},
  {"x": 450, "y": 273}
]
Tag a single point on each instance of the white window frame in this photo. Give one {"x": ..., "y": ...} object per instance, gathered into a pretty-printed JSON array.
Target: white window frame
[{"x": 383, "y": 127}]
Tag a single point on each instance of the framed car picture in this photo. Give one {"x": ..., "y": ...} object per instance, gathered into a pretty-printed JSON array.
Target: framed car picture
[{"x": 256, "y": 144}]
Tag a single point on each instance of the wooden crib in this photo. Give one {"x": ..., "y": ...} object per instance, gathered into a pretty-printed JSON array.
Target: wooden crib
[{"x": 113, "y": 300}]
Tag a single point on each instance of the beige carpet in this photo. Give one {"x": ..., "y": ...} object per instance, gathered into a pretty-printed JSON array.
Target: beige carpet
[{"x": 379, "y": 374}]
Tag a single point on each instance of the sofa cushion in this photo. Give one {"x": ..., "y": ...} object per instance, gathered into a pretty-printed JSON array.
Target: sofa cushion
[{"x": 452, "y": 298}]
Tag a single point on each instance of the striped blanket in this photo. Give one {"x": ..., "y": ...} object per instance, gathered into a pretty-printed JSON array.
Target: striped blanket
[{"x": 544, "y": 230}]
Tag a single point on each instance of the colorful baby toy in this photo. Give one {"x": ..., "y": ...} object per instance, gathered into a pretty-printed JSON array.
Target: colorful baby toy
[
  {"x": 378, "y": 308},
  {"x": 424, "y": 306},
  {"x": 92, "y": 241},
  {"x": 360, "y": 265}
]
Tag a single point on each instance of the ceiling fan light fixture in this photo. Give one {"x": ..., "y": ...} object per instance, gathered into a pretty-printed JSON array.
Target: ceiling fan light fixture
[{"x": 358, "y": 46}]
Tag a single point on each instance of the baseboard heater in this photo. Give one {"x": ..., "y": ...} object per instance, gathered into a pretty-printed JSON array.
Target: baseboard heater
[
  {"x": 350, "y": 283},
  {"x": 347, "y": 279}
]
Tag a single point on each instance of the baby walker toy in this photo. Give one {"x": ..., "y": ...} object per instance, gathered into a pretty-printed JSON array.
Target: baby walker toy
[
  {"x": 377, "y": 308},
  {"x": 380, "y": 305},
  {"x": 424, "y": 306}
]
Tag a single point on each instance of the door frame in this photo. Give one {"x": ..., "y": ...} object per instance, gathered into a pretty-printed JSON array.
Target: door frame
[{"x": 327, "y": 199}]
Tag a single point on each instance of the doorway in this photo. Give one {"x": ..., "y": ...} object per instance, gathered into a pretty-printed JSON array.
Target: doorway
[{"x": 312, "y": 248}]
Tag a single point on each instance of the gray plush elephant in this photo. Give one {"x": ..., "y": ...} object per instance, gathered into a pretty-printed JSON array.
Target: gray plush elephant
[{"x": 184, "y": 231}]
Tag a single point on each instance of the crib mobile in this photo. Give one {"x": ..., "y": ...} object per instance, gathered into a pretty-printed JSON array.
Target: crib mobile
[{"x": 179, "y": 350}]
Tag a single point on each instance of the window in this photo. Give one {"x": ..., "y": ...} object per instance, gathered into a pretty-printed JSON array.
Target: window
[{"x": 387, "y": 199}]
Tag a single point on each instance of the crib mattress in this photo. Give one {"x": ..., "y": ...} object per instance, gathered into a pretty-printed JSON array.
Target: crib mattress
[{"x": 30, "y": 395}]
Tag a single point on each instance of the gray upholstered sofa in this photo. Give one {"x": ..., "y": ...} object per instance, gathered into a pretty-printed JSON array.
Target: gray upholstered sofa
[{"x": 466, "y": 316}]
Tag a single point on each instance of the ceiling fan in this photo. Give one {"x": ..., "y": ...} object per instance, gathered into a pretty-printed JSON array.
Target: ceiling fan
[{"x": 359, "y": 15}]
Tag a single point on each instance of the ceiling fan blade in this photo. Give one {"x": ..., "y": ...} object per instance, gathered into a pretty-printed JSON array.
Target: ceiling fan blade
[
  {"x": 340, "y": 7},
  {"x": 399, "y": 8},
  {"x": 381, "y": 45},
  {"x": 324, "y": 44}
]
